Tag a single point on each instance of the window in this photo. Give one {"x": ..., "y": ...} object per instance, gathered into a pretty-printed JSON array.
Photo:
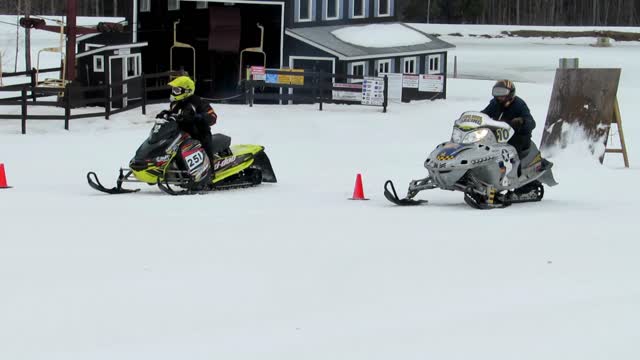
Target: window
[
  {"x": 384, "y": 66},
  {"x": 98, "y": 63},
  {"x": 384, "y": 8},
  {"x": 202, "y": 5},
  {"x": 435, "y": 64},
  {"x": 174, "y": 4},
  {"x": 145, "y": 5},
  {"x": 409, "y": 65},
  {"x": 332, "y": 9},
  {"x": 357, "y": 69},
  {"x": 305, "y": 8},
  {"x": 132, "y": 64},
  {"x": 357, "y": 9},
  {"x": 88, "y": 47}
]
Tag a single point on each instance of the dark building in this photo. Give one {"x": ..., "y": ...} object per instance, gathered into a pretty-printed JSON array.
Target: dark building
[{"x": 214, "y": 41}]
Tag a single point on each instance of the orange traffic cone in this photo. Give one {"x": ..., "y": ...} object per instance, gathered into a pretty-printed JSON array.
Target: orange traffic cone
[
  {"x": 3, "y": 178},
  {"x": 358, "y": 192}
]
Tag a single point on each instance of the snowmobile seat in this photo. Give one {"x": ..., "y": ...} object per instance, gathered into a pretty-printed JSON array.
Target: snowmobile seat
[{"x": 220, "y": 144}]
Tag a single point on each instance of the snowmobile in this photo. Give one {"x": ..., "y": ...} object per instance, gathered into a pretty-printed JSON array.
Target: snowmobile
[
  {"x": 479, "y": 162},
  {"x": 178, "y": 164}
]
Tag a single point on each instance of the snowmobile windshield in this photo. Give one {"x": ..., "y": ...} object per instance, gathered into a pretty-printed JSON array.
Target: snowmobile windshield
[{"x": 162, "y": 130}]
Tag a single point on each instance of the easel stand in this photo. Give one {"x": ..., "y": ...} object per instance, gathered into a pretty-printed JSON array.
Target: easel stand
[{"x": 623, "y": 148}]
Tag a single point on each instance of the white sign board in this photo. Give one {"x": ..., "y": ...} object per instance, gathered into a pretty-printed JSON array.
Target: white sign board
[
  {"x": 410, "y": 81},
  {"x": 431, "y": 83},
  {"x": 258, "y": 73},
  {"x": 347, "y": 95},
  {"x": 373, "y": 91},
  {"x": 394, "y": 85}
]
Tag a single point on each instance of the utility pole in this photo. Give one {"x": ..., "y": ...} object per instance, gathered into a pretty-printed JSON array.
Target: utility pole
[
  {"x": 70, "y": 63},
  {"x": 27, "y": 37}
]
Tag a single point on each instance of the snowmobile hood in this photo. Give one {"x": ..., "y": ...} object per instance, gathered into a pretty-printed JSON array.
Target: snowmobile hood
[{"x": 450, "y": 150}]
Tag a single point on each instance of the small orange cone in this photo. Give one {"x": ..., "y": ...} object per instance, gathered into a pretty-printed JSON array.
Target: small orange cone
[
  {"x": 3, "y": 178},
  {"x": 358, "y": 192}
]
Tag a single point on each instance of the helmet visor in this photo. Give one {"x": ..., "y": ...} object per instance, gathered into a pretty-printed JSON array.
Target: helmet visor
[
  {"x": 177, "y": 90},
  {"x": 500, "y": 91}
]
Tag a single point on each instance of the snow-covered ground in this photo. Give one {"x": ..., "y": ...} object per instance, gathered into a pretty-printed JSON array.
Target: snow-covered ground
[{"x": 294, "y": 270}]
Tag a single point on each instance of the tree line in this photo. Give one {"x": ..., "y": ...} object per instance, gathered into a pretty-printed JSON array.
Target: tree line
[
  {"x": 508, "y": 12},
  {"x": 58, "y": 7},
  {"x": 523, "y": 12}
]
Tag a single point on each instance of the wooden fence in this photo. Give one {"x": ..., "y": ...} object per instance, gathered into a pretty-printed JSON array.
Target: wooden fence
[
  {"x": 71, "y": 97},
  {"x": 317, "y": 88}
]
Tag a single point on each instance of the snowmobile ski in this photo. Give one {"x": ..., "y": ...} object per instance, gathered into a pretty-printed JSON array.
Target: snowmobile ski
[
  {"x": 391, "y": 195},
  {"x": 92, "y": 178}
]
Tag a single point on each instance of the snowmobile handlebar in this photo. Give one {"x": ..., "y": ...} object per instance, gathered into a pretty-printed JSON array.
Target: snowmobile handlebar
[{"x": 169, "y": 116}]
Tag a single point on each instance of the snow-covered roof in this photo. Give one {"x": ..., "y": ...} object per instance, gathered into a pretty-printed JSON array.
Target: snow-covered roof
[
  {"x": 349, "y": 42},
  {"x": 381, "y": 35}
]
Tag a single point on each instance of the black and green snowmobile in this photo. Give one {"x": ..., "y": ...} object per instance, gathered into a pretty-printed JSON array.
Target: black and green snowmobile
[{"x": 178, "y": 164}]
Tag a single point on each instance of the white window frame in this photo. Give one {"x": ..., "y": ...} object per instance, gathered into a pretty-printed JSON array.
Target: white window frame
[
  {"x": 98, "y": 63},
  {"x": 380, "y": 13},
  {"x": 137, "y": 66},
  {"x": 299, "y": 18},
  {"x": 202, "y": 5},
  {"x": 408, "y": 60},
  {"x": 352, "y": 67},
  {"x": 388, "y": 62},
  {"x": 364, "y": 9},
  {"x": 145, "y": 5},
  {"x": 176, "y": 5},
  {"x": 326, "y": 10},
  {"x": 437, "y": 60}
]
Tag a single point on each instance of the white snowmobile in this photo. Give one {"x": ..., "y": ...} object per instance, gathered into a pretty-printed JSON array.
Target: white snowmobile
[{"x": 479, "y": 162}]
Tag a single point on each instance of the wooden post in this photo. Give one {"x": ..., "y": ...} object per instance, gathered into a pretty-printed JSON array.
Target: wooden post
[
  {"x": 67, "y": 107},
  {"x": 24, "y": 109},
  {"x": 252, "y": 96},
  {"x": 314, "y": 90},
  {"x": 144, "y": 94},
  {"x": 623, "y": 147},
  {"x": 34, "y": 85},
  {"x": 107, "y": 101},
  {"x": 385, "y": 102},
  {"x": 107, "y": 91},
  {"x": 455, "y": 67},
  {"x": 318, "y": 82}
]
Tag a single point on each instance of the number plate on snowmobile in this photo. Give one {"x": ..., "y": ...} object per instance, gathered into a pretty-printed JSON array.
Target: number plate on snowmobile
[{"x": 195, "y": 159}]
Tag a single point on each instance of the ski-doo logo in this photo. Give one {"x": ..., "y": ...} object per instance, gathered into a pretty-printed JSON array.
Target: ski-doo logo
[
  {"x": 161, "y": 159},
  {"x": 471, "y": 119},
  {"x": 223, "y": 163}
]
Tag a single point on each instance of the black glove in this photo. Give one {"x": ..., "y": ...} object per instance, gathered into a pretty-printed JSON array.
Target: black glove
[
  {"x": 164, "y": 114},
  {"x": 516, "y": 123}
]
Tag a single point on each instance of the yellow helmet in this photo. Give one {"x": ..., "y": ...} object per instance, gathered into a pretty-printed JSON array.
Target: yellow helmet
[{"x": 181, "y": 88}]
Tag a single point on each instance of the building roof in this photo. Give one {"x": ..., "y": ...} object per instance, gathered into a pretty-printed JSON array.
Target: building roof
[
  {"x": 111, "y": 47},
  {"x": 325, "y": 39}
]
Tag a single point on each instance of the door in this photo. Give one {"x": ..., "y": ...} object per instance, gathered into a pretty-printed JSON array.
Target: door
[{"x": 116, "y": 75}]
